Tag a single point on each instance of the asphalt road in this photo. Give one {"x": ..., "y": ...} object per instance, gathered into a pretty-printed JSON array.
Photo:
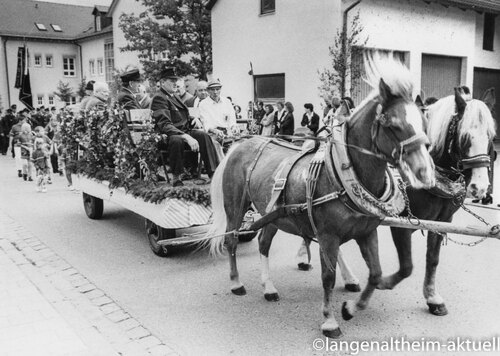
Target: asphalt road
[{"x": 185, "y": 299}]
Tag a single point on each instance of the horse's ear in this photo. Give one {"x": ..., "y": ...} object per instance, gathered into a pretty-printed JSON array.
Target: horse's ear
[
  {"x": 385, "y": 91},
  {"x": 460, "y": 101},
  {"x": 418, "y": 101},
  {"x": 489, "y": 98}
]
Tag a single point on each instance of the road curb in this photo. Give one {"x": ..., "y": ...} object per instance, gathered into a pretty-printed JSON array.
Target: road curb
[{"x": 81, "y": 302}]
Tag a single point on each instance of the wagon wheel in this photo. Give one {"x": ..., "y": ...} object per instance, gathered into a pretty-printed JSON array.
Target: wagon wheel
[
  {"x": 156, "y": 233},
  {"x": 93, "y": 206},
  {"x": 247, "y": 221}
]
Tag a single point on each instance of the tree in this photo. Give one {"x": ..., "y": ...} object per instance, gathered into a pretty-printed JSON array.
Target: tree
[
  {"x": 176, "y": 33},
  {"x": 344, "y": 69},
  {"x": 64, "y": 92},
  {"x": 81, "y": 87}
]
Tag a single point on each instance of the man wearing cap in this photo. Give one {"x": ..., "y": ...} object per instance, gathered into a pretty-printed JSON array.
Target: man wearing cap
[
  {"x": 89, "y": 90},
  {"x": 127, "y": 96},
  {"x": 6, "y": 124},
  {"x": 217, "y": 113},
  {"x": 171, "y": 117}
]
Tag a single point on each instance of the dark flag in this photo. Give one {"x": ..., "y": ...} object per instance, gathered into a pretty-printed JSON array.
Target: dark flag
[
  {"x": 25, "y": 96},
  {"x": 21, "y": 64}
]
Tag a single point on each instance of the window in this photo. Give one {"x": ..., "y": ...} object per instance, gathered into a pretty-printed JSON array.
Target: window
[
  {"x": 69, "y": 67},
  {"x": 39, "y": 100},
  {"x": 98, "y": 23},
  {"x": 51, "y": 100},
  {"x": 92, "y": 67},
  {"x": 489, "y": 31},
  {"x": 38, "y": 60},
  {"x": 56, "y": 28},
  {"x": 109, "y": 61},
  {"x": 71, "y": 101},
  {"x": 267, "y": 6},
  {"x": 40, "y": 26},
  {"x": 100, "y": 67},
  {"x": 270, "y": 87},
  {"x": 48, "y": 60}
]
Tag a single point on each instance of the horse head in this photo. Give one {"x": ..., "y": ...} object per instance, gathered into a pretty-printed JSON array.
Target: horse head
[
  {"x": 398, "y": 132},
  {"x": 461, "y": 131}
]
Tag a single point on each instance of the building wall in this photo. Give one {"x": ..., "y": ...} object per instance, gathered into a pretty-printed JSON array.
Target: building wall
[
  {"x": 482, "y": 58},
  {"x": 43, "y": 79},
  {"x": 294, "y": 40},
  {"x": 93, "y": 49},
  {"x": 420, "y": 28},
  {"x": 124, "y": 59}
]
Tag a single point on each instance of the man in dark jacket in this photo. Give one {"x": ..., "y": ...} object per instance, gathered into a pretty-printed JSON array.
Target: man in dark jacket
[
  {"x": 127, "y": 95},
  {"x": 171, "y": 118},
  {"x": 310, "y": 118}
]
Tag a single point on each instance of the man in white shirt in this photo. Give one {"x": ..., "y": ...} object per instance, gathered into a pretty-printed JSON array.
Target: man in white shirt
[{"x": 217, "y": 113}]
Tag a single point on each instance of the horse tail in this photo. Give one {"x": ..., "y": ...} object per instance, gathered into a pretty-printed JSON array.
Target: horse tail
[{"x": 217, "y": 231}]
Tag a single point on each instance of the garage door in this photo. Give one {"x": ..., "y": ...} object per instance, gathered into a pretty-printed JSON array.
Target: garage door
[
  {"x": 440, "y": 74},
  {"x": 483, "y": 80}
]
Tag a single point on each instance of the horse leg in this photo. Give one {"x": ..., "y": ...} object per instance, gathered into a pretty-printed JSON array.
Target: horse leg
[
  {"x": 350, "y": 280},
  {"x": 369, "y": 251},
  {"x": 402, "y": 241},
  {"x": 234, "y": 222},
  {"x": 303, "y": 257},
  {"x": 434, "y": 301},
  {"x": 328, "y": 256},
  {"x": 265, "y": 240}
]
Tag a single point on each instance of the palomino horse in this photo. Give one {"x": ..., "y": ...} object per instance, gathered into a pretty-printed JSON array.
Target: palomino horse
[
  {"x": 387, "y": 121},
  {"x": 460, "y": 133}
]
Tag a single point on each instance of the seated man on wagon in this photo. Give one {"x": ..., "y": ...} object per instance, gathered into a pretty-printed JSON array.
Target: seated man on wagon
[
  {"x": 171, "y": 117},
  {"x": 130, "y": 96}
]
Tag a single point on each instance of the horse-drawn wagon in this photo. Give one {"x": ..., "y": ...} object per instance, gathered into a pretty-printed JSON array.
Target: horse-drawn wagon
[{"x": 111, "y": 152}]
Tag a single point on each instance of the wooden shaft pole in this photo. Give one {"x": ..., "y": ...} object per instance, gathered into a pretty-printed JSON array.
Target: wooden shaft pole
[{"x": 471, "y": 230}]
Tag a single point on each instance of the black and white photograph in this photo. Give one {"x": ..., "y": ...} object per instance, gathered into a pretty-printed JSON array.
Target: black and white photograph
[{"x": 249, "y": 177}]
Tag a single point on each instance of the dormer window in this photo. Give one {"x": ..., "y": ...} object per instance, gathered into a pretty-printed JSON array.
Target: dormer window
[
  {"x": 56, "y": 28},
  {"x": 40, "y": 26},
  {"x": 98, "y": 23}
]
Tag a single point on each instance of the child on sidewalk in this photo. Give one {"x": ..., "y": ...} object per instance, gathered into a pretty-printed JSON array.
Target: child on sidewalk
[
  {"x": 40, "y": 157},
  {"x": 47, "y": 144},
  {"x": 25, "y": 140}
]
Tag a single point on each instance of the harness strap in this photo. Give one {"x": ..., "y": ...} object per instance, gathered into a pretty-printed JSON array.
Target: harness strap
[
  {"x": 478, "y": 161},
  {"x": 292, "y": 209},
  {"x": 281, "y": 177},
  {"x": 312, "y": 178},
  {"x": 246, "y": 190}
]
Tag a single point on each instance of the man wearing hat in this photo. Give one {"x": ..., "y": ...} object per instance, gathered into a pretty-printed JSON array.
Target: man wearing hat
[
  {"x": 171, "y": 117},
  {"x": 127, "y": 97},
  {"x": 89, "y": 90},
  {"x": 217, "y": 113},
  {"x": 6, "y": 124}
]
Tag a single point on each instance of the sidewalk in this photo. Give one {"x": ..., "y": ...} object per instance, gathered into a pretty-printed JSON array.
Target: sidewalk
[{"x": 48, "y": 308}]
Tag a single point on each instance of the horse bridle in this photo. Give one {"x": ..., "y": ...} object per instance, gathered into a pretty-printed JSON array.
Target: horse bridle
[
  {"x": 402, "y": 148},
  {"x": 463, "y": 163}
]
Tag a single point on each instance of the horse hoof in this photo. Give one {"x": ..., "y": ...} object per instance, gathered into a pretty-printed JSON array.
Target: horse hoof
[
  {"x": 437, "y": 309},
  {"x": 304, "y": 266},
  {"x": 353, "y": 287},
  {"x": 272, "y": 297},
  {"x": 333, "y": 334},
  {"x": 346, "y": 314},
  {"x": 239, "y": 291}
]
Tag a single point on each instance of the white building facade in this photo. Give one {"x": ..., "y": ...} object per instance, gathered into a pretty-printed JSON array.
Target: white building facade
[{"x": 444, "y": 43}]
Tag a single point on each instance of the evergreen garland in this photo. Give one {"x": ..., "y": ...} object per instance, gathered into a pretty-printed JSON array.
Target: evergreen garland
[{"x": 109, "y": 154}]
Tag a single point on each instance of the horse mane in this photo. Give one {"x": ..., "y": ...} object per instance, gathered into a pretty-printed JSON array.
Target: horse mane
[
  {"x": 392, "y": 71},
  {"x": 440, "y": 115}
]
